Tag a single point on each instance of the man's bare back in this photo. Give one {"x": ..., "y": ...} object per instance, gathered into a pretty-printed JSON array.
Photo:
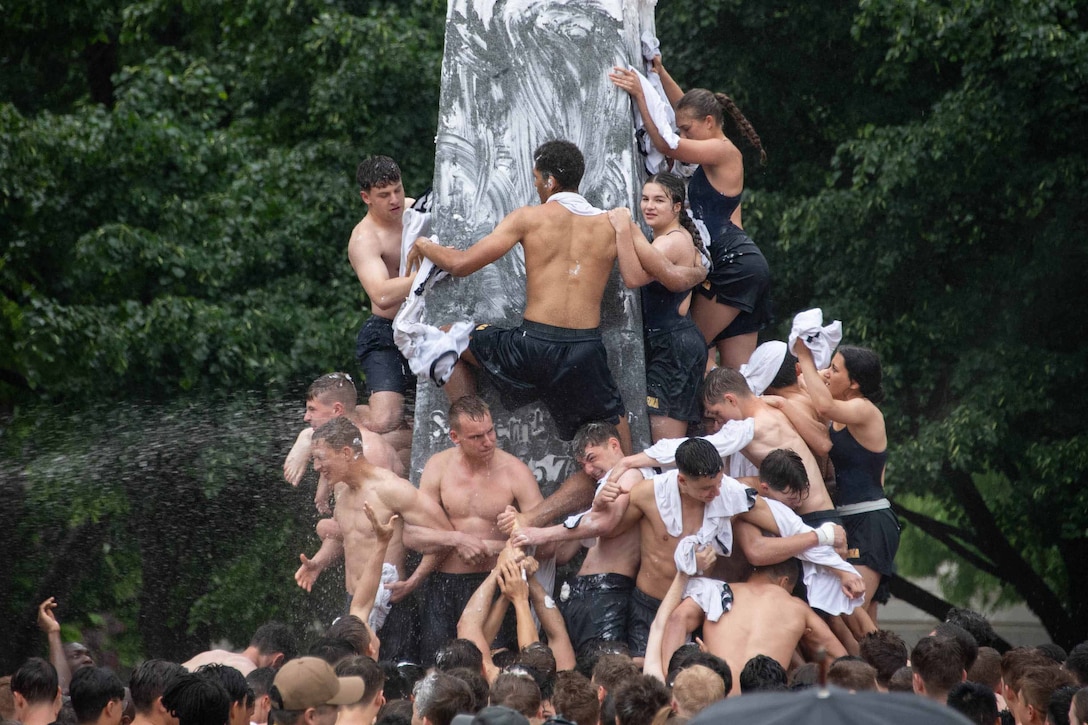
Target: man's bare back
[{"x": 772, "y": 431}]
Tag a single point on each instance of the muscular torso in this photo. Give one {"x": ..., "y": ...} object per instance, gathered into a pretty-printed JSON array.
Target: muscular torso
[
  {"x": 618, "y": 555},
  {"x": 568, "y": 259},
  {"x": 658, "y": 568},
  {"x": 765, "y": 619},
  {"x": 773, "y": 431},
  {"x": 378, "y": 451},
  {"x": 357, "y": 532},
  {"x": 371, "y": 240}
]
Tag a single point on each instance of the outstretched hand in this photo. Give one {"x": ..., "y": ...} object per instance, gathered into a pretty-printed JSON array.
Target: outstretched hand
[
  {"x": 384, "y": 532},
  {"x": 308, "y": 573}
]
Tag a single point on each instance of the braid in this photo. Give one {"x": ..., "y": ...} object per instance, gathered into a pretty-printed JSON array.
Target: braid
[
  {"x": 743, "y": 124},
  {"x": 696, "y": 238}
]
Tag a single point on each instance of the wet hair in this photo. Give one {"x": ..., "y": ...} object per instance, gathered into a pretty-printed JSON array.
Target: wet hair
[
  {"x": 852, "y": 673},
  {"x": 196, "y": 700},
  {"x": 902, "y": 680},
  {"x": 639, "y": 699},
  {"x": 613, "y": 671},
  {"x": 674, "y": 187},
  {"x": 459, "y": 653},
  {"x": 335, "y": 388},
  {"x": 539, "y": 660},
  {"x": 273, "y": 637},
  {"x": 352, "y": 630},
  {"x": 975, "y": 701},
  {"x": 987, "y": 668},
  {"x": 784, "y": 471},
  {"x": 332, "y": 649},
  {"x": 233, "y": 681},
  {"x": 701, "y": 103},
  {"x": 979, "y": 627},
  {"x": 787, "y": 373},
  {"x": 1038, "y": 683},
  {"x": 1077, "y": 663},
  {"x": 1057, "y": 710},
  {"x": 698, "y": 458},
  {"x": 37, "y": 681},
  {"x": 149, "y": 680},
  {"x": 476, "y": 682},
  {"x": 691, "y": 655},
  {"x": 966, "y": 641},
  {"x": 938, "y": 660},
  {"x": 720, "y": 381},
  {"x": 789, "y": 568},
  {"x": 562, "y": 161},
  {"x": 762, "y": 674},
  {"x": 595, "y": 433},
  {"x": 863, "y": 368},
  {"x": 696, "y": 687},
  {"x": 260, "y": 680},
  {"x": 339, "y": 433},
  {"x": 93, "y": 688},
  {"x": 1080, "y": 706},
  {"x": 395, "y": 712},
  {"x": 470, "y": 406},
  {"x": 516, "y": 691},
  {"x": 376, "y": 171},
  {"x": 1053, "y": 651},
  {"x": 592, "y": 651},
  {"x": 439, "y": 697},
  {"x": 1017, "y": 660},
  {"x": 400, "y": 679},
  {"x": 575, "y": 698},
  {"x": 367, "y": 669},
  {"x": 886, "y": 652},
  {"x": 805, "y": 676}
]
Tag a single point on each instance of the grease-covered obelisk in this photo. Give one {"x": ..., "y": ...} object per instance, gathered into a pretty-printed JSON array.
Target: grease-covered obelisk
[{"x": 516, "y": 73}]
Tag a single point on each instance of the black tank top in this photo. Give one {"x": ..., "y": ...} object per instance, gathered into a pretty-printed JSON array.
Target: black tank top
[
  {"x": 857, "y": 469},
  {"x": 710, "y": 205}
]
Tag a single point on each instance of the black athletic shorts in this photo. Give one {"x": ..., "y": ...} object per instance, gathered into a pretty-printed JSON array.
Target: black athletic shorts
[
  {"x": 597, "y": 608},
  {"x": 640, "y": 615},
  {"x": 875, "y": 534},
  {"x": 675, "y": 365},
  {"x": 443, "y": 601},
  {"x": 815, "y": 519},
  {"x": 566, "y": 370},
  {"x": 384, "y": 368},
  {"x": 739, "y": 278}
]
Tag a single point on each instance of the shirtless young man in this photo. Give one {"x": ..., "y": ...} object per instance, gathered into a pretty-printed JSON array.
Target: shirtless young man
[
  {"x": 473, "y": 482},
  {"x": 597, "y": 607},
  {"x": 374, "y": 251}
]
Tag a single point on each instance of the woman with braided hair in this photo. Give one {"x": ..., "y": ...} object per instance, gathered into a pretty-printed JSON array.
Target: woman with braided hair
[
  {"x": 734, "y": 302},
  {"x": 666, "y": 271}
]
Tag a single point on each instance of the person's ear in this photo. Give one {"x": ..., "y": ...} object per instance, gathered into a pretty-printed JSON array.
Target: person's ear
[
  {"x": 277, "y": 661},
  {"x": 20, "y": 701}
]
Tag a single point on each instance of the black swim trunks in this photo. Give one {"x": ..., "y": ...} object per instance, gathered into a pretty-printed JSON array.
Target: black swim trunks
[
  {"x": 675, "y": 365},
  {"x": 739, "y": 278},
  {"x": 640, "y": 615},
  {"x": 875, "y": 534},
  {"x": 597, "y": 608},
  {"x": 384, "y": 368},
  {"x": 567, "y": 370},
  {"x": 443, "y": 601}
]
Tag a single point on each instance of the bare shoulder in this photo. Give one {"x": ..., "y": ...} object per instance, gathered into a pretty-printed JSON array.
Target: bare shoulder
[
  {"x": 512, "y": 464},
  {"x": 363, "y": 236}
]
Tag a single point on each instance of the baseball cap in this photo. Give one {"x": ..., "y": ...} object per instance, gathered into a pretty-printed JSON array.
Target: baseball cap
[{"x": 311, "y": 682}]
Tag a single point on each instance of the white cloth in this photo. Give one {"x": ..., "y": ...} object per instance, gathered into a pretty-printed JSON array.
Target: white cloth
[
  {"x": 717, "y": 527},
  {"x": 662, "y": 117},
  {"x": 572, "y": 521},
  {"x": 824, "y": 588},
  {"x": 383, "y": 599},
  {"x": 819, "y": 338},
  {"x": 712, "y": 595},
  {"x": 651, "y": 46},
  {"x": 575, "y": 203},
  {"x": 763, "y": 365},
  {"x": 741, "y": 467},
  {"x": 416, "y": 224},
  {"x": 429, "y": 351},
  {"x": 732, "y": 437}
]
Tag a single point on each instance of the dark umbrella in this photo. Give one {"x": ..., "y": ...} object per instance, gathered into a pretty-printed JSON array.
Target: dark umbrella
[{"x": 829, "y": 706}]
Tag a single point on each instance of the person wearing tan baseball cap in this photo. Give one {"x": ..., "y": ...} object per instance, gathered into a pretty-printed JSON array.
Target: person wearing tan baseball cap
[{"x": 307, "y": 691}]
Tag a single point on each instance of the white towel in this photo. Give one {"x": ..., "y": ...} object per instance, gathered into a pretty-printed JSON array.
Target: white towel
[
  {"x": 429, "y": 351},
  {"x": 717, "y": 527},
  {"x": 732, "y": 437},
  {"x": 383, "y": 597},
  {"x": 663, "y": 118},
  {"x": 575, "y": 203},
  {"x": 416, "y": 224},
  {"x": 741, "y": 467},
  {"x": 821, "y": 339},
  {"x": 651, "y": 46},
  {"x": 764, "y": 365},
  {"x": 824, "y": 588},
  {"x": 712, "y": 595}
]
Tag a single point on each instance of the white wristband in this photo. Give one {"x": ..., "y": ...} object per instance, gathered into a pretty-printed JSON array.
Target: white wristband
[{"x": 825, "y": 534}]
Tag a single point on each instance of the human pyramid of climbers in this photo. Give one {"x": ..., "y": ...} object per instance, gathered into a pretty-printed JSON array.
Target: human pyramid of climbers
[{"x": 751, "y": 540}]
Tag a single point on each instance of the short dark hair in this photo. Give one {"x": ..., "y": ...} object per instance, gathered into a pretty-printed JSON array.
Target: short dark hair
[
  {"x": 789, "y": 568},
  {"x": 762, "y": 674},
  {"x": 886, "y": 652},
  {"x": 332, "y": 649},
  {"x": 339, "y": 433},
  {"x": 783, "y": 470},
  {"x": 688, "y": 656},
  {"x": 1038, "y": 683},
  {"x": 987, "y": 668},
  {"x": 938, "y": 661},
  {"x": 93, "y": 688},
  {"x": 439, "y": 697},
  {"x": 339, "y": 388},
  {"x": 1017, "y": 660},
  {"x": 459, "y": 652},
  {"x": 562, "y": 161},
  {"x": 476, "y": 682},
  {"x": 698, "y": 458},
  {"x": 1057, "y": 710},
  {"x": 902, "y": 680},
  {"x": 149, "y": 681},
  {"x": 539, "y": 659},
  {"x": 376, "y": 171},
  {"x": 273, "y": 637},
  {"x": 1077, "y": 663},
  {"x": 352, "y": 630},
  {"x": 639, "y": 700},
  {"x": 232, "y": 680},
  {"x": 37, "y": 681},
  {"x": 517, "y": 692},
  {"x": 721, "y": 381},
  {"x": 787, "y": 373},
  {"x": 852, "y": 673},
  {"x": 260, "y": 680},
  {"x": 575, "y": 699},
  {"x": 967, "y": 642},
  {"x": 975, "y": 701},
  {"x": 595, "y": 433},
  {"x": 1053, "y": 651},
  {"x": 366, "y": 668},
  {"x": 979, "y": 627},
  {"x": 395, "y": 712},
  {"x": 196, "y": 700},
  {"x": 613, "y": 671}
]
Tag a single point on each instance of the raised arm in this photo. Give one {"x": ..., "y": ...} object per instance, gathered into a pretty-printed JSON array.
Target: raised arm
[
  {"x": 471, "y": 624},
  {"x": 298, "y": 458},
  {"x": 47, "y": 623},
  {"x": 631, "y": 270},
  {"x": 370, "y": 578},
  {"x": 654, "y": 664},
  {"x": 812, "y": 430},
  {"x": 672, "y": 89},
  {"x": 463, "y": 262},
  {"x": 857, "y": 412},
  {"x": 364, "y": 253},
  {"x": 513, "y": 581},
  {"x": 554, "y": 626},
  {"x": 671, "y": 259}
]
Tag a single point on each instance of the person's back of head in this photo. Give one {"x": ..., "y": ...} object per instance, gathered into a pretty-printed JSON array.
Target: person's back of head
[
  {"x": 638, "y": 700},
  {"x": 400, "y": 679},
  {"x": 614, "y": 671},
  {"x": 852, "y": 673},
  {"x": 332, "y": 649},
  {"x": 439, "y": 697},
  {"x": 885, "y": 651},
  {"x": 260, "y": 683},
  {"x": 1037, "y": 684},
  {"x": 1078, "y": 709},
  {"x": 272, "y": 639},
  {"x": 979, "y": 627},
  {"x": 352, "y": 630},
  {"x": 696, "y": 656},
  {"x": 562, "y": 161},
  {"x": 476, "y": 682},
  {"x": 592, "y": 651},
  {"x": 967, "y": 642},
  {"x": 695, "y": 688},
  {"x": 233, "y": 681},
  {"x": 372, "y": 675},
  {"x": 497, "y": 715},
  {"x": 7, "y": 699},
  {"x": 975, "y": 701},
  {"x": 575, "y": 699},
  {"x": 987, "y": 668},
  {"x": 97, "y": 694},
  {"x": 34, "y": 683},
  {"x": 1061, "y": 700},
  {"x": 538, "y": 659},
  {"x": 1077, "y": 663},
  {"x": 805, "y": 676},
  {"x": 517, "y": 692},
  {"x": 937, "y": 662},
  {"x": 1013, "y": 665},
  {"x": 1054, "y": 652},
  {"x": 395, "y": 712},
  {"x": 902, "y": 680},
  {"x": 148, "y": 682},
  {"x": 762, "y": 674},
  {"x": 459, "y": 653},
  {"x": 196, "y": 700}
]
